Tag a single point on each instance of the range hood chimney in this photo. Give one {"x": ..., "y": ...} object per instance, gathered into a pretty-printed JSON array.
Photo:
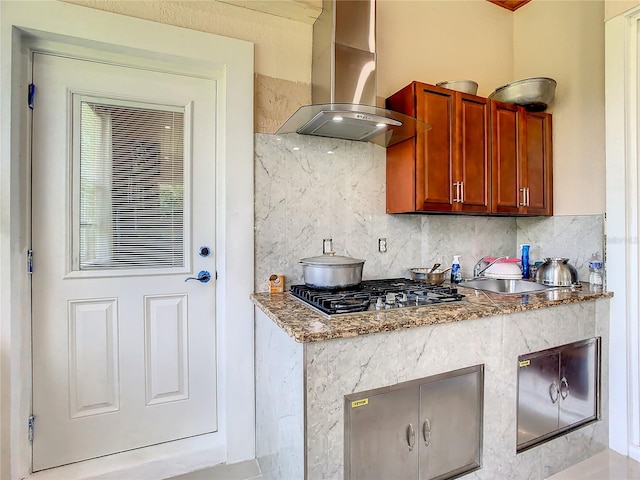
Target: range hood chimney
[{"x": 343, "y": 89}]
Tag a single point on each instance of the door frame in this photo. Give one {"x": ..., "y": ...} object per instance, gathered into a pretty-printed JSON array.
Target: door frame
[
  {"x": 70, "y": 30},
  {"x": 622, "y": 119}
]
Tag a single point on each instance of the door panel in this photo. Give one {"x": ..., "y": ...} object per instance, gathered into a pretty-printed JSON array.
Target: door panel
[
  {"x": 434, "y": 150},
  {"x": 124, "y": 350},
  {"x": 451, "y": 426},
  {"x": 538, "y": 395},
  {"x": 579, "y": 370},
  {"x": 93, "y": 361},
  {"x": 539, "y": 158},
  {"x": 505, "y": 158},
  {"x": 166, "y": 342},
  {"x": 473, "y": 161},
  {"x": 379, "y": 443}
]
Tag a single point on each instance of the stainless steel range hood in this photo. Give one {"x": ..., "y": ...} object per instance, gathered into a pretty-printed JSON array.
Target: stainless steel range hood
[{"x": 343, "y": 89}]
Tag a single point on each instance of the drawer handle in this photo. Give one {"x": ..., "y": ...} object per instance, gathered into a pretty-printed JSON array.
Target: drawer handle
[
  {"x": 426, "y": 432},
  {"x": 524, "y": 197},
  {"x": 554, "y": 390},
  {"x": 457, "y": 186},
  {"x": 564, "y": 388},
  {"x": 411, "y": 437}
]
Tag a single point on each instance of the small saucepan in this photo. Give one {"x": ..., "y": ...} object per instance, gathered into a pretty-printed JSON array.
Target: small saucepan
[{"x": 434, "y": 277}]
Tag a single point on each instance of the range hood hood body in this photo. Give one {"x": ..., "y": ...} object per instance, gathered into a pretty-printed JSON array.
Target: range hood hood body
[{"x": 344, "y": 81}]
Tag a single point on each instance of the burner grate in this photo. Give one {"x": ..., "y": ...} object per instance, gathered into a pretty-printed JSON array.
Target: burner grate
[{"x": 375, "y": 295}]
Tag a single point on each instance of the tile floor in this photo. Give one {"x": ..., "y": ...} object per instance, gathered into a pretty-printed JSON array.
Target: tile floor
[
  {"x": 248, "y": 470},
  {"x": 607, "y": 465}
]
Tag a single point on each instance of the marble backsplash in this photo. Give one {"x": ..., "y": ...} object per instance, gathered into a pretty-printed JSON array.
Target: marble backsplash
[{"x": 310, "y": 188}]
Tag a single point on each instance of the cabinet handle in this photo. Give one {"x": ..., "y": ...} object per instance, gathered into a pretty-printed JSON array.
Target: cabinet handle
[
  {"x": 461, "y": 192},
  {"x": 553, "y": 389},
  {"x": 426, "y": 432},
  {"x": 524, "y": 197},
  {"x": 456, "y": 185},
  {"x": 564, "y": 388},
  {"x": 528, "y": 197},
  {"x": 411, "y": 437}
]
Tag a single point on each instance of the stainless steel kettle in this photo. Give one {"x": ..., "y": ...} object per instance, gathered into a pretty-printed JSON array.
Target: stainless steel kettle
[{"x": 557, "y": 272}]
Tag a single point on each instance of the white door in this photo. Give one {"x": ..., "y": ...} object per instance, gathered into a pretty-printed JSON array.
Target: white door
[{"x": 124, "y": 348}]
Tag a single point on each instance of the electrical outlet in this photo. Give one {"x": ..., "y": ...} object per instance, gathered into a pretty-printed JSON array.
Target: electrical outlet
[{"x": 382, "y": 245}]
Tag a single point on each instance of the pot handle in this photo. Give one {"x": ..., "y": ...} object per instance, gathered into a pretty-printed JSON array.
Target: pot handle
[{"x": 327, "y": 246}]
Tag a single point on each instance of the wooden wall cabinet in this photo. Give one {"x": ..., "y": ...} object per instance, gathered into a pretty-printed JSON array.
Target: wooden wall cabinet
[
  {"x": 445, "y": 169},
  {"x": 480, "y": 156},
  {"x": 521, "y": 161}
]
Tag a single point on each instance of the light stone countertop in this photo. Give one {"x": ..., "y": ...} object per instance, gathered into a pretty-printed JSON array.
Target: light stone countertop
[{"x": 304, "y": 324}]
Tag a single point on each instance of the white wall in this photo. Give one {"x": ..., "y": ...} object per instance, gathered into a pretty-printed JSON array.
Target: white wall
[
  {"x": 282, "y": 46},
  {"x": 613, "y": 8},
  {"x": 564, "y": 40},
  {"x": 433, "y": 41}
]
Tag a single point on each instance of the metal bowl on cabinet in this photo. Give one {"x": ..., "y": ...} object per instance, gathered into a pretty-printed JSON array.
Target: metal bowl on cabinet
[
  {"x": 464, "y": 86},
  {"x": 534, "y": 94}
]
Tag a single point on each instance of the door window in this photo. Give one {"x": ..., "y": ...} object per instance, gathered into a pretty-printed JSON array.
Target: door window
[{"x": 128, "y": 178}]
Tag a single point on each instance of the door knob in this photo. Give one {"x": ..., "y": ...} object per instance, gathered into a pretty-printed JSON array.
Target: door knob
[{"x": 203, "y": 277}]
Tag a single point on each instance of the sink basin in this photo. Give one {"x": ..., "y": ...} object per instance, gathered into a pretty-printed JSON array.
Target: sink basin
[{"x": 504, "y": 286}]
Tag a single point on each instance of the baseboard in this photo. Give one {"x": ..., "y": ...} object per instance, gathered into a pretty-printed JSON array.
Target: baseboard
[{"x": 634, "y": 452}]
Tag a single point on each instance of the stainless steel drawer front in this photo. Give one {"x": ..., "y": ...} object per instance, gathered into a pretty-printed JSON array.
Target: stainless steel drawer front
[
  {"x": 430, "y": 428},
  {"x": 558, "y": 390}
]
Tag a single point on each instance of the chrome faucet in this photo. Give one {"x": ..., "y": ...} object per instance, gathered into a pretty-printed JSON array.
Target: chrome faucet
[{"x": 478, "y": 269}]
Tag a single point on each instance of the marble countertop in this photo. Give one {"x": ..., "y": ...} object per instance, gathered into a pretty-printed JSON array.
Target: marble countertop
[{"x": 305, "y": 324}]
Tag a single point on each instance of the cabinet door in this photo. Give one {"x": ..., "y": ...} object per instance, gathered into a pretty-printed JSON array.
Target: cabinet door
[
  {"x": 434, "y": 149},
  {"x": 538, "y": 160},
  {"x": 381, "y": 444},
  {"x": 471, "y": 159},
  {"x": 506, "y": 196},
  {"x": 538, "y": 396},
  {"x": 578, "y": 383},
  {"x": 451, "y": 428}
]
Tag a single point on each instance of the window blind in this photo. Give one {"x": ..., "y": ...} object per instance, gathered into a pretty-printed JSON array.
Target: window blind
[{"x": 131, "y": 203}]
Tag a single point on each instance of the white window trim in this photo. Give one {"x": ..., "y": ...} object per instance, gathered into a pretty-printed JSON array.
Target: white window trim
[{"x": 69, "y": 29}]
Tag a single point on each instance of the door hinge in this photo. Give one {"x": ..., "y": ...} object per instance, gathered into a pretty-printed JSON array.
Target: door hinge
[
  {"x": 32, "y": 420},
  {"x": 32, "y": 92},
  {"x": 29, "y": 262}
]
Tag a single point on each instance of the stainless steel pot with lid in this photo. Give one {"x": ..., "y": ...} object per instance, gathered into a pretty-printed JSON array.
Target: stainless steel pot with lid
[
  {"x": 557, "y": 272},
  {"x": 330, "y": 271}
]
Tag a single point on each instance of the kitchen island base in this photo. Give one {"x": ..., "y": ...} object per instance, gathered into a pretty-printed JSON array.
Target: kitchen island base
[{"x": 300, "y": 387}]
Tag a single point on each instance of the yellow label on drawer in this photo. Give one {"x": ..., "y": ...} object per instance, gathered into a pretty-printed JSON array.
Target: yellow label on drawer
[
  {"x": 525, "y": 363},
  {"x": 360, "y": 403}
]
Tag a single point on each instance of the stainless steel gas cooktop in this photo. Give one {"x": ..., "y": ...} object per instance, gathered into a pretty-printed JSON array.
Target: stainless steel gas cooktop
[{"x": 376, "y": 295}]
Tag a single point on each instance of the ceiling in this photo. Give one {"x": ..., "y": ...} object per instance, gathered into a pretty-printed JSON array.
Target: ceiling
[
  {"x": 301, "y": 10},
  {"x": 512, "y": 5},
  {"x": 307, "y": 11}
]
